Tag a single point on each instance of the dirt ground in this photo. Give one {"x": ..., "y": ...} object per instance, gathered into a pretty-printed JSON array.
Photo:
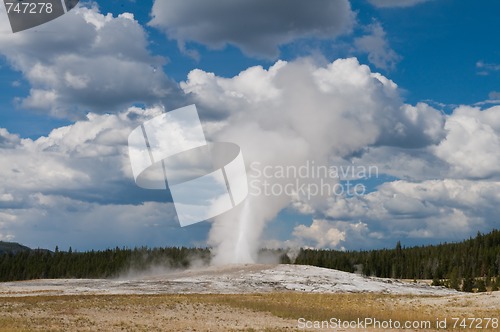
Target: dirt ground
[{"x": 129, "y": 313}]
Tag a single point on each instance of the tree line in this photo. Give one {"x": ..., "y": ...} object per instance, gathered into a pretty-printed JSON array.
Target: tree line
[
  {"x": 471, "y": 264},
  {"x": 45, "y": 264}
]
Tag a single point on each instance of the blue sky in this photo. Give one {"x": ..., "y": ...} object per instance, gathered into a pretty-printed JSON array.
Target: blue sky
[{"x": 409, "y": 86}]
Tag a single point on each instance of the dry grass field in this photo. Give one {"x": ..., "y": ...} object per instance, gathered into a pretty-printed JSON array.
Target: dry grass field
[{"x": 229, "y": 312}]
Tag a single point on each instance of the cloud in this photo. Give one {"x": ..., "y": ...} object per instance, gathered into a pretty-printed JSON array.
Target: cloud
[
  {"x": 415, "y": 164},
  {"x": 451, "y": 190},
  {"x": 484, "y": 68},
  {"x": 49, "y": 220},
  {"x": 443, "y": 209},
  {"x": 377, "y": 47},
  {"x": 85, "y": 161},
  {"x": 494, "y": 95},
  {"x": 77, "y": 180},
  {"x": 84, "y": 62},
  {"x": 472, "y": 143},
  {"x": 8, "y": 140},
  {"x": 257, "y": 27},
  {"x": 340, "y": 108},
  {"x": 74, "y": 187},
  {"x": 396, "y": 3},
  {"x": 321, "y": 232},
  {"x": 467, "y": 149},
  {"x": 326, "y": 233}
]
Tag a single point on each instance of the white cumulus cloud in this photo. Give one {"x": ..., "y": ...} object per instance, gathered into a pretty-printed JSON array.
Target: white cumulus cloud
[
  {"x": 321, "y": 233},
  {"x": 472, "y": 144},
  {"x": 85, "y": 62}
]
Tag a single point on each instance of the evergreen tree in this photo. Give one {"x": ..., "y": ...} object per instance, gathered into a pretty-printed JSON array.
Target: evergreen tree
[
  {"x": 468, "y": 284},
  {"x": 454, "y": 282},
  {"x": 480, "y": 285},
  {"x": 496, "y": 284},
  {"x": 436, "y": 282}
]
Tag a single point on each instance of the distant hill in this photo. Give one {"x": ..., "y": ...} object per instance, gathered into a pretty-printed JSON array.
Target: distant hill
[{"x": 12, "y": 247}]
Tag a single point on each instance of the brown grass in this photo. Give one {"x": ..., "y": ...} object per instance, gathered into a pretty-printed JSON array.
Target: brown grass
[{"x": 248, "y": 312}]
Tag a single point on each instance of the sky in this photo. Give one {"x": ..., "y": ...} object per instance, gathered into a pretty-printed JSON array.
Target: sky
[{"x": 410, "y": 88}]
